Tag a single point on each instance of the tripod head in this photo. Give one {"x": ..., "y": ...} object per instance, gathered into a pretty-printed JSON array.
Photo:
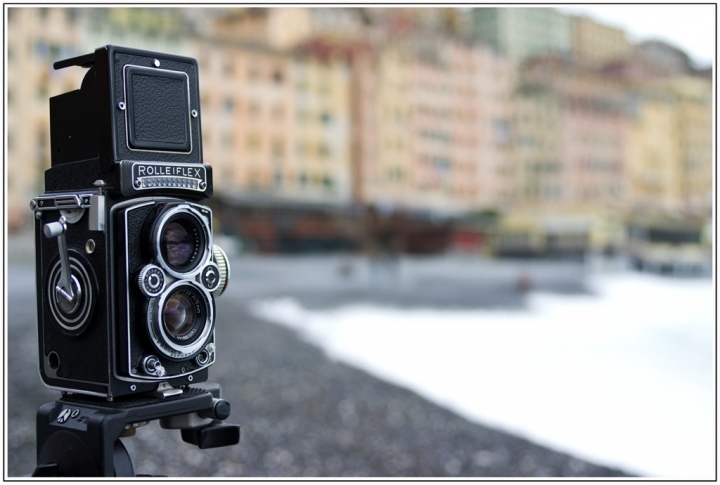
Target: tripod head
[{"x": 79, "y": 435}]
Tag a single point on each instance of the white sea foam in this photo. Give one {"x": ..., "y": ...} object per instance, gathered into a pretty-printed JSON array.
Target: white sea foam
[{"x": 624, "y": 377}]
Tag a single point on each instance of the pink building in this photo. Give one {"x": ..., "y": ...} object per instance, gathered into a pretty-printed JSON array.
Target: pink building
[
  {"x": 588, "y": 168},
  {"x": 494, "y": 81}
]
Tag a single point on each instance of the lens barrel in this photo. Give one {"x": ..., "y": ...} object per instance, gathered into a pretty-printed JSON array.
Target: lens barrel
[
  {"x": 181, "y": 240},
  {"x": 180, "y": 320}
]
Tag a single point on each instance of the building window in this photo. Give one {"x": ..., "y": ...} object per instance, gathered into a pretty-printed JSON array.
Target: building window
[
  {"x": 41, "y": 48},
  {"x": 278, "y": 149},
  {"x": 278, "y": 76},
  {"x": 253, "y": 143},
  {"x": 278, "y": 112},
  {"x": 71, "y": 15}
]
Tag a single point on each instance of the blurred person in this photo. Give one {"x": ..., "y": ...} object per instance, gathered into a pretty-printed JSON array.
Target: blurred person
[{"x": 383, "y": 244}]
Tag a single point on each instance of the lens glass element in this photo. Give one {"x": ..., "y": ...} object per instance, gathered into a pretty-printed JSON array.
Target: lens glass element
[
  {"x": 179, "y": 315},
  {"x": 178, "y": 245},
  {"x": 181, "y": 320}
]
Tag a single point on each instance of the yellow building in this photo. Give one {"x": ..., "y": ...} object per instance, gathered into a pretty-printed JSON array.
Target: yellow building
[
  {"x": 320, "y": 167},
  {"x": 538, "y": 175},
  {"x": 40, "y": 36},
  {"x": 596, "y": 42},
  {"x": 279, "y": 28},
  {"x": 670, "y": 149},
  {"x": 694, "y": 130},
  {"x": 37, "y": 37},
  {"x": 274, "y": 122},
  {"x": 390, "y": 178},
  {"x": 653, "y": 155},
  {"x": 246, "y": 100}
]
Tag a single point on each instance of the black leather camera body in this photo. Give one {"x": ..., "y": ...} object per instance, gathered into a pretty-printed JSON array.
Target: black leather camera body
[{"x": 127, "y": 273}]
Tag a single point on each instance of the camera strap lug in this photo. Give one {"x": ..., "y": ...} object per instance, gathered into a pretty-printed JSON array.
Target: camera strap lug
[
  {"x": 96, "y": 221},
  {"x": 61, "y": 202}
]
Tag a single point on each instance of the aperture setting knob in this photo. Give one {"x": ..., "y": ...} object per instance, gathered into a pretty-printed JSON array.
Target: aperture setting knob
[
  {"x": 209, "y": 277},
  {"x": 221, "y": 259},
  {"x": 151, "y": 280}
]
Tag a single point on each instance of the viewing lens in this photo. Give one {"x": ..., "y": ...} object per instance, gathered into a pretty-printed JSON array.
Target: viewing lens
[
  {"x": 181, "y": 239},
  {"x": 178, "y": 245},
  {"x": 179, "y": 315}
]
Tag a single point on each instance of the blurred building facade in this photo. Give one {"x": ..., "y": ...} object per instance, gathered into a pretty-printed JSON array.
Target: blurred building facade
[
  {"x": 596, "y": 42},
  {"x": 520, "y": 33},
  {"x": 443, "y": 110}
]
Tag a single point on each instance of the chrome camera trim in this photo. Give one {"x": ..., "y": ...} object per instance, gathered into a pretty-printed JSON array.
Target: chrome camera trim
[
  {"x": 201, "y": 259},
  {"x": 156, "y": 328}
]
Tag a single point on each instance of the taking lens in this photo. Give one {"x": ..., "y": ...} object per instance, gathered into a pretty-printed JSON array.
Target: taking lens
[
  {"x": 178, "y": 315},
  {"x": 181, "y": 320}
]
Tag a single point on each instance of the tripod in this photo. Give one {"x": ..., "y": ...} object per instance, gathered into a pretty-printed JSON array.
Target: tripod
[{"x": 79, "y": 436}]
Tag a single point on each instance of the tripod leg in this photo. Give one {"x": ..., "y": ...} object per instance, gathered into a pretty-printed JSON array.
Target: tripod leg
[{"x": 121, "y": 460}]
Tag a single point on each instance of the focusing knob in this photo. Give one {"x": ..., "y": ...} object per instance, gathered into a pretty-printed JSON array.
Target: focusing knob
[
  {"x": 221, "y": 259},
  {"x": 151, "y": 280}
]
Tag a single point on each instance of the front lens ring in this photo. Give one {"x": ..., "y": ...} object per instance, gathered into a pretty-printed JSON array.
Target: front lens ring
[
  {"x": 181, "y": 241},
  {"x": 181, "y": 339}
]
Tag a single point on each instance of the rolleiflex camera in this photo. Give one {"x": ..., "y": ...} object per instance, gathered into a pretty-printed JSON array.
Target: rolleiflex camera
[{"x": 127, "y": 273}]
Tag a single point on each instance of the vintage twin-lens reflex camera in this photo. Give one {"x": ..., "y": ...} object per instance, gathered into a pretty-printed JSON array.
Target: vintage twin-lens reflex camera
[{"x": 127, "y": 272}]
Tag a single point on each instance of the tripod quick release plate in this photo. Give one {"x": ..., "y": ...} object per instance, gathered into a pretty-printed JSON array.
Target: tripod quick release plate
[{"x": 79, "y": 435}]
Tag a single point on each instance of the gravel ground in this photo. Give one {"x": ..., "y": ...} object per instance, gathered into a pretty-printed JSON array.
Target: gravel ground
[{"x": 302, "y": 414}]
